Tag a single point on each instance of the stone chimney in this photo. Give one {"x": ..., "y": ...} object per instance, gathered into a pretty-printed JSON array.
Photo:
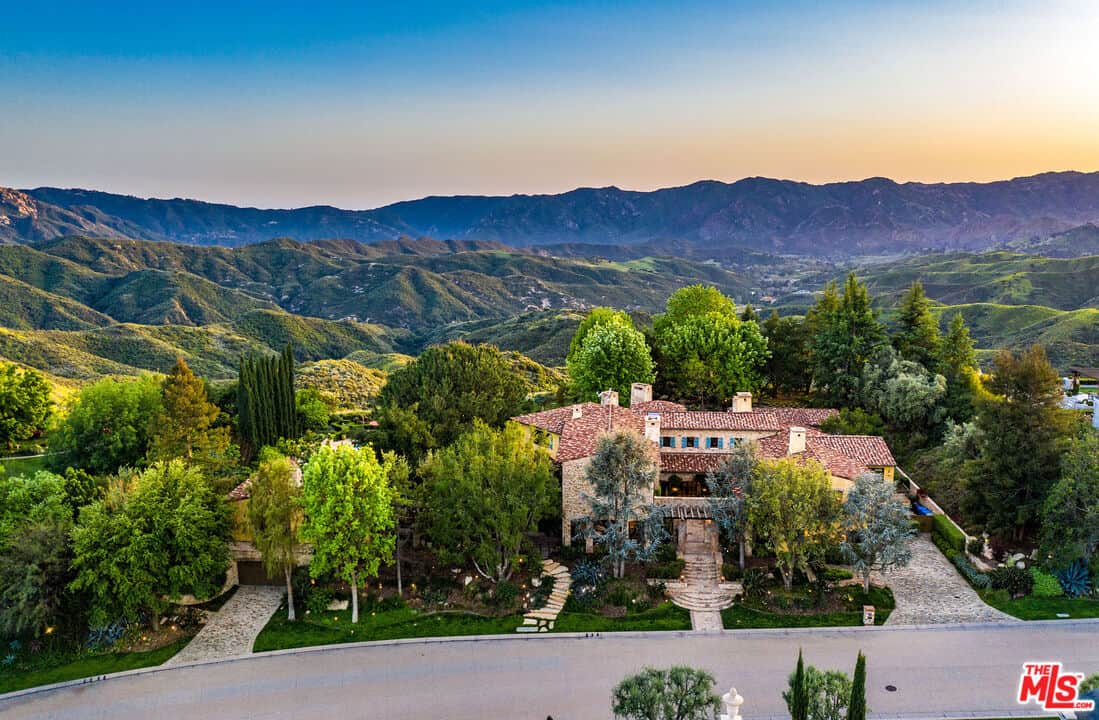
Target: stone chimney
[
  {"x": 797, "y": 440},
  {"x": 652, "y": 428},
  {"x": 742, "y": 403},
  {"x": 577, "y": 412},
  {"x": 608, "y": 397},
  {"x": 640, "y": 392}
]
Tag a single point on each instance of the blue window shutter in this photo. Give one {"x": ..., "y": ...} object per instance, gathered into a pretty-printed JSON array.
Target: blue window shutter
[
  {"x": 683, "y": 441},
  {"x": 720, "y": 443}
]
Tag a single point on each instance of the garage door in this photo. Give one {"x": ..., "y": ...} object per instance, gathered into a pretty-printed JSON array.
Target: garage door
[{"x": 252, "y": 573}]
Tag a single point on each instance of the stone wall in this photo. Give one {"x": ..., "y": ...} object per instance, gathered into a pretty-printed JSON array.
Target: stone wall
[{"x": 574, "y": 486}]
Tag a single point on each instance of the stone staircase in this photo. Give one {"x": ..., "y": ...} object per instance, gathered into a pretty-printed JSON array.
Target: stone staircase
[
  {"x": 702, "y": 589},
  {"x": 542, "y": 619}
]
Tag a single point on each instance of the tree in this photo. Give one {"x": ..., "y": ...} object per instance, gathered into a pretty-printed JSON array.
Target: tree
[
  {"x": 621, "y": 474},
  {"x": 789, "y": 367},
  {"x": 730, "y": 486},
  {"x": 160, "y": 535},
  {"x": 348, "y": 506},
  {"x": 1070, "y": 516},
  {"x": 404, "y": 503},
  {"x": 25, "y": 404},
  {"x": 678, "y": 693},
  {"x": 597, "y": 317},
  {"x": 1023, "y": 432},
  {"x": 274, "y": 516},
  {"x": 917, "y": 338},
  {"x": 313, "y": 412},
  {"x": 825, "y": 694},
  {"x": 847, "y": 336},
  {"x": 483, "y": 494},
  {"x": 798, "y": 700},
  {"x": 879, "y": 529},
  {"x": 793, "y": 508},
  {"x": 447, "y": 387},
  {"x": 854, "y": 421},
  {"x": 266, "y": 407},
  {"x": 34, "y": 579},
  {"x": 108, "y": 426},
  {"x": 707, "y": 352},
  {"x": 906, "y": 396},
  {"x": 33, "y": 499},
  {"x": 612, "y": 356},
  {"x": 184, "y": 426},
  {"x": 958, "y": 364},
  {"x": 856, "y": 708}
]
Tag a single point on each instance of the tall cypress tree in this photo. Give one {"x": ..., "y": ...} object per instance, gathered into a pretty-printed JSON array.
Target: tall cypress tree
[
  {"x": 856, "y": 709},
  {"x": 799, "y": 705},
  {"x": 918, "y": 337},
  {"x": 265, "y": 401}
]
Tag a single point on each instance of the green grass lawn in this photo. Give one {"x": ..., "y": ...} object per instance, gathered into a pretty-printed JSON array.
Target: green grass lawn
[
  {"x": 754, "y": 615},
  {"x": 22, "y": 467},
  {"x": 1038, "y": 608},
  {"x": 89, "y": 666},
  {"x": 335, "y": 627},
  {"x": 665, "y": 616}
]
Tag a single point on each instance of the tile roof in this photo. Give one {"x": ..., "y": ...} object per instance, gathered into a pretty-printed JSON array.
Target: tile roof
[
  {"x": 691, "y": 462},
  {"x": 658, "y": 406},
  {"x": 870, "y": 450},
  {"x": 718, "y": 420},
  {"x": 799, "y": 416},
  {"x": 845, "y": 456},
  {"x": 580, "y": 435},
  {"x": 242, "y": 491}
]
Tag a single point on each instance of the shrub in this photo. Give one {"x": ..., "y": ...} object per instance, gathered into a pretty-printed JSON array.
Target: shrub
[
  {"x": 1016, "y": 581},
  {"x": 942, "y": 544},
  {"x": 656, "y": 591},
  {"x": 1045, "y": 585},
  {"x": 670, "y": 570},
  {"x": 975, "y": 546},
  {"x": 1075, "y": 580},
  {"x": 540, "y": 596},
  {"x": 506, "y": 593},
  {"x": 954, "y": 537},
  {"x": 666, "y": 552},
  {"x": 588, "y": 573},
  {"x": 975, "y": 577},
  {"x": 832, "y": 574},
  {"x": 731, "y": 571},
  {"x": 754, "y": 581},
  {"x": 318, "y": 599}
]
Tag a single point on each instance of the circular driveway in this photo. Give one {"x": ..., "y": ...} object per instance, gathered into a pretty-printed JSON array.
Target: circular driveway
[{"x": 950, "y": 671}]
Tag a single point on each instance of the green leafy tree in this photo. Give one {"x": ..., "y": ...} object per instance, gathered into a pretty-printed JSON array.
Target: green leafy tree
[
  {"x": 313, "y": 411},
  {"x": 907, "y": 397},
  {"x": 1070, "y": 516},
  {"x": 789, "y": 367},
  {"x": 958, "y": 364},
  {"x": 826, "y": 693},
  {"x": 612, "y": 356},
  {"x": 349, "y": 518},
  {"x": 448, "y": 387},
  {"x": 854, "y": 421},
  {"x": 1023, "y": 432},
  {"x": 847, "y": 336},
  {"x": 34, "y": 499},
  {"x": 34, "y": 578},
  {"x": 266, "y": 407},
  {"x": 597, "y": 317},
  {"x": 108, "y": 426},
  {"x": 678, "y": 693},
  {"x": 917, "y": 337},
  {"x": 184, "y": 426},
  {"x": 730, "y": 486},
  {"x": 622, "y": 474},
  {"x": 25, "y": 404},
  {"x": 162, "y": 535},
  {"x": 856, "y": 708},
  {"x": 879, "y": 529},
  {"x": 793, "y": 508},
  {"x": 708, "y": 354},
  {"x": 405, "y": 503},
  {"x": 483, "y": 494},
  {"x": 274, "y": 516}
]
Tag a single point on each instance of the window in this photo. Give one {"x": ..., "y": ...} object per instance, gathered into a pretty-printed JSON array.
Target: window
[
  {"x": 690, "y": 442},
  {"x": 667, "y": 441},
  {"x": 714, "y": 443}
]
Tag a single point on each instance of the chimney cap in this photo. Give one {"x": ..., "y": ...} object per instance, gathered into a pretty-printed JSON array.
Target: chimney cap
[{"x": 744, "y": 393}]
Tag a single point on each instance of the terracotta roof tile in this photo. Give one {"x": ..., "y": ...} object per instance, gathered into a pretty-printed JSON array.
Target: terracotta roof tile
[
  {"x": 242, "y": 491},
  {"x": 718, "y": 420},
  {"x": 686, "y": 462},
  {"x": 870, "y": 450},
  {"x": 658, "y": 406}
]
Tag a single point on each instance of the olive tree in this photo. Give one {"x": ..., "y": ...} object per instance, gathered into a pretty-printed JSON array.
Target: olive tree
[
  {"x": 678, "y": 693},
  {"x": 879, "y": 530}
]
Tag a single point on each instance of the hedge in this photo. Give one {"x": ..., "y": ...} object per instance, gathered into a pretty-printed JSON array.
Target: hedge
[
  {"x": 954, "y": 537},
  {"x": 670, "y": 570},
  {"x": 973, "y": 576}
]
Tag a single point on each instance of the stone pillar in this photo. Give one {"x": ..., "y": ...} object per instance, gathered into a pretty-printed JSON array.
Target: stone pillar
[{"x": 732, "y": 702}]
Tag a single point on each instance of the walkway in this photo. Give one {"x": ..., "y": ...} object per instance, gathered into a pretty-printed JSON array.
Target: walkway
[
  {"x": 542, "y": 619},
  {"x": 930, "y": 591},
  {"x": 943, "y": 671},
  {"x": 702, "y": 590},
  {"x": 232, "y": 630}
]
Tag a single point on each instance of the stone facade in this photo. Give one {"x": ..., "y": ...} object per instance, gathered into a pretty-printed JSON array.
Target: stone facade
[{"x": 574, "y": 487}]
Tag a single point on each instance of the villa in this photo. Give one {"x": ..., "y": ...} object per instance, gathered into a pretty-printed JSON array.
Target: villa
[{"x": 688, "y": 444}]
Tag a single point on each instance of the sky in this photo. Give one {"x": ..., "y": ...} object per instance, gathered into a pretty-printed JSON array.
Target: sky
[{"x": 285, "y": 104}]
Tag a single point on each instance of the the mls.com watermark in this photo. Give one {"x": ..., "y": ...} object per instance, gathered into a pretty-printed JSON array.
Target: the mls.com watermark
[{"x": 1052, "y": 688}]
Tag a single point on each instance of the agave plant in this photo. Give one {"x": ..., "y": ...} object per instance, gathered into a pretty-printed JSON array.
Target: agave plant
[{"x": 1075, "y": 579}]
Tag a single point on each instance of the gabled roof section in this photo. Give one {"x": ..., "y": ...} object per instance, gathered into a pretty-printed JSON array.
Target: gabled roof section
[
  {"x": 691, "y": 463},
  {"x": 799, "y": 416},
  {"x": 658, "y": 406},
  {"x": 870, "y": 450},
  {"x": 579, "y": 436},
  {"x": 718, "y": 420}
]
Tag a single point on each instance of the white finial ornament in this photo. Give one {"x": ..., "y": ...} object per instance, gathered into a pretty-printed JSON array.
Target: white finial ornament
[{"x": 732, "y": 701}]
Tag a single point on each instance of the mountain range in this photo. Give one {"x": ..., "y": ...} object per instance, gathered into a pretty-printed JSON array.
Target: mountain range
[{"x": 1053, "y": 212}]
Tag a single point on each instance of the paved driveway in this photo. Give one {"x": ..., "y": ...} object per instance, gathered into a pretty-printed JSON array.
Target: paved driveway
[
  {"x": 930, "y": 591},
  {"x": 232, "y": 630},
  {"x": 945, "y": 671}
]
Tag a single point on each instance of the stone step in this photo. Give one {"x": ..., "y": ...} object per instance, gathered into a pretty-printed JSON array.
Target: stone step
[
  {"x": 526, "y": 629},
  {"x": 529, "y": 621}
]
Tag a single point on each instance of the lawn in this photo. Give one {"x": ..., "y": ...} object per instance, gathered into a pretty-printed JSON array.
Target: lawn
[
  {"x": 664, "y": 616},
  {"x": 89, "y": 666},
  {"x": 22, "y": 467},
  {"x": 755, "y": 614},
  {"x": 335, "y": 627},
  {"x": 1039, "y": 608}
]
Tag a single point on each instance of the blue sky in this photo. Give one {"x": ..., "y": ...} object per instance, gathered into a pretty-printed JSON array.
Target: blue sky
[{"x": 360, "y": 104}]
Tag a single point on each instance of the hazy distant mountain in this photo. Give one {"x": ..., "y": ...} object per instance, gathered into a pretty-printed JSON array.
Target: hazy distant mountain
[{"x": 703, "y": 220}]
